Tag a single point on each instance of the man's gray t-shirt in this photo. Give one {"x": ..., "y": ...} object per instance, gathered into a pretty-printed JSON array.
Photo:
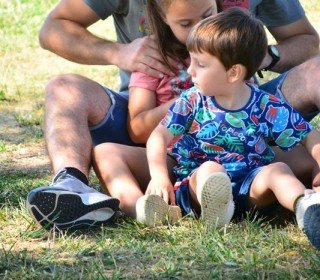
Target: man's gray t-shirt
[
  {"x": 275, "y": 13},
  {"x": 130, "y": 23}
]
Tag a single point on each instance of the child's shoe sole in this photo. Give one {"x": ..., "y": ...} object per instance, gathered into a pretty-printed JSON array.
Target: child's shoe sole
[
  {"x": 152, "y": 210},
  {"x": 217, "y": 205},
  {"x": 312, "y": 224}
]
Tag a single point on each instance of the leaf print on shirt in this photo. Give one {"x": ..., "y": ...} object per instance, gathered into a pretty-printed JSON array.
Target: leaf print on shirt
[
  {"x": 298, "y": 122},
  {"x": 232, "y": 157},
  {"x": 211, "y": 148},
  {"x": 233, "y": 143},
  {"x": 204, "y": 115},
  {"x": 279, "y": 117},
  {"x": 195, "y": 127},
  {"x": 260, "y": 146},
  {"x": 208, "y": 131},
  {"x": 181, "y": 107},
  {"x": 176, "y": 129},
  {"x": 285, "y": 140},
  {"x": 236, "y": 119}
]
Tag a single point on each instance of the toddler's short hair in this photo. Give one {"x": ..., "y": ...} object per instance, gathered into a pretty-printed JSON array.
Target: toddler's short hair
[{"x": 234, "y": 36}]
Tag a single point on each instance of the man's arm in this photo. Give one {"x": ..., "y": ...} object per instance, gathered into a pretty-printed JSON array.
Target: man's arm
[
  {"x": 296, "y": 42},
  {"x": 65, "y": 33}
]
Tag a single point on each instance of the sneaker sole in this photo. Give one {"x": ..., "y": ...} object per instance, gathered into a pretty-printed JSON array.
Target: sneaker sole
[
  {"x": 312, "y": 224},
  {"x": 215, "y": 196},
  {"x": 68, "y": 210},
  {"x": 152, "y": 210}
]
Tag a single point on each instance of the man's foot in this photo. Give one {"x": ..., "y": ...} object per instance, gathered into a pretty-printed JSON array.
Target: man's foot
[
  {"x": 152, "y": 210},
  {"x": 70, "y": 204},
  {"x": 308, "y": 216},
  {"x": 217, "y": 206}
]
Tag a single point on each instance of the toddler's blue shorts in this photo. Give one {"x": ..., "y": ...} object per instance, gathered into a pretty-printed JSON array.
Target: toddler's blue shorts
[{"x": 240, "y": 189}]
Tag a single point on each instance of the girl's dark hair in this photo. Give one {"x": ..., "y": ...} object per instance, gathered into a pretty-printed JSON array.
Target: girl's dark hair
[
  {"x": 234, "y": 36},
  {"x": 168, "y": 44}
]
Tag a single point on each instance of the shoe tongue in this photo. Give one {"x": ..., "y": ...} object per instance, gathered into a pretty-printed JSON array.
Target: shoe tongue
[{"x": 61, "y": 174}]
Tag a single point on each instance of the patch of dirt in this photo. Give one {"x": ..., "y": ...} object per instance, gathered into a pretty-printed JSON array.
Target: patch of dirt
[{"x": 20, "y": 152}]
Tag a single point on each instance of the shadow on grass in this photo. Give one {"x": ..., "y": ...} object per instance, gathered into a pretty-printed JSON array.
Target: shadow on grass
[{"x": 14, "y": 186}]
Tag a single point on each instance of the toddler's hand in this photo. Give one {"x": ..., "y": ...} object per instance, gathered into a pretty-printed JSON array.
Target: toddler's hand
[{"x": 162, "y": 187}]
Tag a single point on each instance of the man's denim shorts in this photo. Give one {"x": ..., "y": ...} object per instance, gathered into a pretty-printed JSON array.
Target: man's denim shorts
[{"x": 113, "y": 128}]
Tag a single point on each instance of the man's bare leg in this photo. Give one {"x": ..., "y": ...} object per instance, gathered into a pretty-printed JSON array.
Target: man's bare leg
[
  {"x": 72, "y": 104},
  {"x": 301, "y": 87}
]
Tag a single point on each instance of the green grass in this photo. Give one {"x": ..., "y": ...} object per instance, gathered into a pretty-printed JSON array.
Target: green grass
[{"x": 247, "y": 250}]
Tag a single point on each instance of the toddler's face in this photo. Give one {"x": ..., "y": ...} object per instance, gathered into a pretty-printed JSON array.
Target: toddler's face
[{"x": 207, "y": 73}]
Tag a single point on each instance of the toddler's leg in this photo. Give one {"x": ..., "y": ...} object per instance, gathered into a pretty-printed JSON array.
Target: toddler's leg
[
  {"x": 307, "y": 209},
  {"x": 211, "y": 188},
  {"x": 277, "y": 182}
]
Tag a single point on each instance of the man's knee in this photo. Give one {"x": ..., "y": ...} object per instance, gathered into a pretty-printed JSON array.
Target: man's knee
[{"x": 63, "y": 84}]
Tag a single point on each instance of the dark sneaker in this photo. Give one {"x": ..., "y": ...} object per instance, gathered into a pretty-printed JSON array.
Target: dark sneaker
[
  {"x": 70, "y": 204},
  {"x": 308, "y": 216}
]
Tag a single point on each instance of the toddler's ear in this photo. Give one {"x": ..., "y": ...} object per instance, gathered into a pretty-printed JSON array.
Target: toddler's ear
[{"x": 236, "y": 72}]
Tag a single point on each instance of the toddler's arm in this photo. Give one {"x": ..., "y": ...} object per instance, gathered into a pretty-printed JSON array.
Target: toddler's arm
[{"x": 160, "y": 183}]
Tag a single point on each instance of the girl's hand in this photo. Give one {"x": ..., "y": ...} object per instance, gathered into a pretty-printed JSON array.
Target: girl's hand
[{"x": 162, "y": 187}]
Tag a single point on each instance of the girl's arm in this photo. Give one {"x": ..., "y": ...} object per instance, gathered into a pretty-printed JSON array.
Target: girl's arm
[
  {"x": 144, "y": 115},
  {"x": 160, "y": 183}
]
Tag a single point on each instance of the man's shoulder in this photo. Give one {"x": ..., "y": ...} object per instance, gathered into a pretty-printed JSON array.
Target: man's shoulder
[
  {"x": 105, "y": 8},
  {"x": 275, "y": 13}
]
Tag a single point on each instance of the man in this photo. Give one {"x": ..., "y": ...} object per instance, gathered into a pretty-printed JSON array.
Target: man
[{"x": 81, "y": 113}]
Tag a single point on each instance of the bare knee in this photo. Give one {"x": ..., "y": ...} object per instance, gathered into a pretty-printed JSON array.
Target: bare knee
[
  {"x": 210, "y": 167},
  {"x": 75, "y": 93},
  {"x": 106, "y": 153},
  {"x": 276, "y": 168},
  {"x": 63, "y": 86}
]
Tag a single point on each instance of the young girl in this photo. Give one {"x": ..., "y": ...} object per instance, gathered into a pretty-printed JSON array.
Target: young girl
[
  {"x": 222, "y": 124},
  {"x": 121, "y": 169}
]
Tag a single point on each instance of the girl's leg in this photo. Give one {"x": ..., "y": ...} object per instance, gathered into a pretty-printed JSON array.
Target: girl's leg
[
  {"x": 275, "y": 182},
  {"x": 123, "y": 172}
]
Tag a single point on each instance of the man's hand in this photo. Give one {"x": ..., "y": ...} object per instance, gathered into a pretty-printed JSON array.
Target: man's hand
[
  {"x": 142, "y": 55},
  {"x": 162, "y": 187}
]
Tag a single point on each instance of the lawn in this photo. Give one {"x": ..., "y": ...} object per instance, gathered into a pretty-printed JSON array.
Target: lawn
[{"x": 257, "y": 249}]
